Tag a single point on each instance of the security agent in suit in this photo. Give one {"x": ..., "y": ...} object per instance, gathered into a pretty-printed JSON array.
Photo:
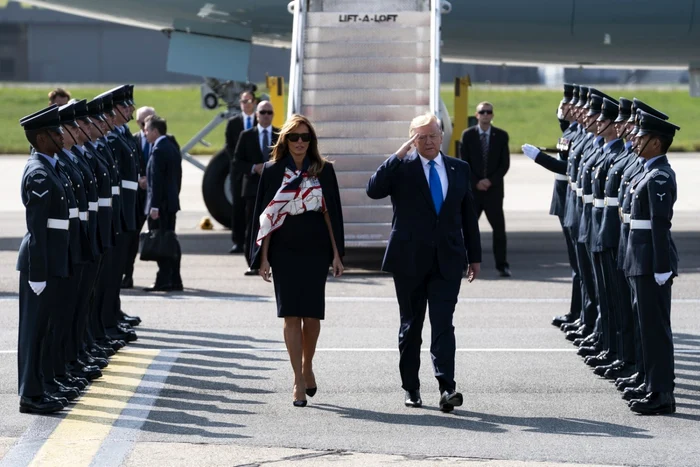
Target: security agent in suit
[
  {"x": 43, "y": 262},
  {"x": 252, "y": 151},
  {"x": 485, "y": 148},
  {"x": 164, "y": 174},
  {"x": 235, "y": 126},
  {"x": 567, "y": 118},
  {"x": 651, "y": 261},
  {"x": 435, "y": 234}
]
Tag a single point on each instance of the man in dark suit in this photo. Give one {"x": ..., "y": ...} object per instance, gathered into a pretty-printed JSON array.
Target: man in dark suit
[
  {"x": 164, "y": 173},
  {"x": 244, "y": 121},
  {"x": 435, "y": 235},
  {"x": 485, "y": 148},
  {"x": 252, "y": 151}
]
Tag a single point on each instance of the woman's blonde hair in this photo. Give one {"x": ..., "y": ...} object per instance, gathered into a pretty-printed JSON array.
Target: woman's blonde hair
[{"x": 280, "y": 150}]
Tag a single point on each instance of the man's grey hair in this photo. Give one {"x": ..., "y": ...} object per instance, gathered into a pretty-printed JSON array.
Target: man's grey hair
[
  {"x": 423, "y": 120},
  {"x": 144, "y": 112}
]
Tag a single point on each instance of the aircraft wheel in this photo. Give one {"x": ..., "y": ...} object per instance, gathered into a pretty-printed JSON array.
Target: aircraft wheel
[{"x": 216, "y": 188}]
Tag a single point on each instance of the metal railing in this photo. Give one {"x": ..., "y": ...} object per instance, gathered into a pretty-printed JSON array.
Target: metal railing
[{"x": 296, "y": 68}]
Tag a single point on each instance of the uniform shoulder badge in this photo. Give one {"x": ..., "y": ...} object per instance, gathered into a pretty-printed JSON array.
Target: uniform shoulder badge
[
  {"x": 659, "y": 173},
  {"x": 38, "y": 172}
]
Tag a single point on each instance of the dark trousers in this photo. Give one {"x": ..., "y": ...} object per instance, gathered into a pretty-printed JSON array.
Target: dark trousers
[
  {"x": 133, "y": 247},
  {"x": 34, "y": 317},
  {"x": 607, "y": 324},
  {"x": 492, "y": 205},
  {"x": 620, "y": 304},
  {"x": 102, "y": 297},
  {"x": 638, "y": 349},
  {"x": 654, "y": 305},
  {"x": 414, "y": 293},
  {"x": 588, "y": 295},
  {"x": 238, "y": 216},
  {"x": 113, "y": 271},
  {"x": 575, "y": 308},
  {"x": 168, "y": 270},
  {"x": 250, "y": 236},
  {"x": 86, "y": 293}
]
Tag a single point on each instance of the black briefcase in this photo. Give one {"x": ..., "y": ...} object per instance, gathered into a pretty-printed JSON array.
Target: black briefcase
[{"x": 158, "y": 245}]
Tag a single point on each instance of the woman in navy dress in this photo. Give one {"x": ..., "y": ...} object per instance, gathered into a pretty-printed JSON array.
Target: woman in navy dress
[{"x": 299, "y": 225}]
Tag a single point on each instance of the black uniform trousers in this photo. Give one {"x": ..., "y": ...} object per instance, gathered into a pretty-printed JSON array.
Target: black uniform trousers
[
  {"x": 620, "y": 303},
  {"x": 238, "y": 213},
  {"x": 103, "y": 294},
  {"x": 113, "y": 269},
  {"x": 86, "y": 298},
  {"x": 133, "y": 246},
  {"x": 654, "y": 306},
  {"x": 34, "y": 317},
  {"x": 168, "y": 270},
  {"x": 491, "y": 204},
  {"x": 585, "y": 268},
  {"x": 440, "y": 294},
  {"x": 638, "y": 349},
  {"x": 576, "y": 301},
  {"x": 605, "y": 323}
]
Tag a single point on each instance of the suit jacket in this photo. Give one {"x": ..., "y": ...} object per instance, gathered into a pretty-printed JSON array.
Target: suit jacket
[
  {"x": 498, "y": 161},
  {"x": 247, "y": 154},
  {"x": 270, "y": 182},
  {"x": 234, "y": 127},
  {"x": 652, "y": 251},
  {"x": 44, "y": 252},
  {"x": 164, "y": 173},
  {"x": 418, "y": 233}
]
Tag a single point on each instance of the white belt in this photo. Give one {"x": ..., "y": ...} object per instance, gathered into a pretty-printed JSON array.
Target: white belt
[
  {"x": 560, "y": 177},
  {"x": 579, "y": 192},
  {"x": 598, "y": 203},
  {"x": 572, "y": 185},
  {"x": 59, "y": 224},
  {"x": 73, "y": 213},
  {"x": 105, "y": 202},
  {"x": 129, "y": 185},
  {"x": 637, "y": 224},
  {"x": 93, "y": 206},
  {"x": 626, "y": 218},
  {"x": 115, "y": 190},
  {"x": 587, "y": 199},
  {"x": 83, "y": 216},
  {"x": 611, "y": 201}
]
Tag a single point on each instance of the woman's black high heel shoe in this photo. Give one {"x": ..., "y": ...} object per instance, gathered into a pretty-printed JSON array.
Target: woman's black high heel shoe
[
  {"x": 299, "y": 403},
  {"x": 311, "y": 392}
]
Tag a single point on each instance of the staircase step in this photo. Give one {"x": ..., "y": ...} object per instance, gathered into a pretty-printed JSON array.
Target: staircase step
[
  {"x": 357, "y": 162},
  {"x": 362, "y": 96},
  {"x": 364, "y": 231},
  {"x": 330, "y": 146},
  {"x": 363, "y": 19},
  {"x": 367, "y": 214},
  {"x": 367, "y": 49},
  {"x": 335, "y": 34},
  {"x": 378, "y": 113},
  {"x": 362, "y": 129},
  {"x": 343, "y": 6},
  {"x": 367, "y": 81},
  {"x": 355, "y": 179},
  {"x": 358, "y": 197},
  {"x": 367, "y": 65}
]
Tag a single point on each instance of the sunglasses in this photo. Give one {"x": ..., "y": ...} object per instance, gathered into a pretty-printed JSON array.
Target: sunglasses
[
  {"x": 294, "y": 137},
  {"x": 265, "y": 112},
  {"x": 246, "y": 101},
  {"x": 485, "y": 112}
]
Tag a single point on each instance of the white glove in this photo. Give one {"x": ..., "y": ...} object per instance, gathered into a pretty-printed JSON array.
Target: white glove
[
  {"x": 662, "y": 278},
  {"x": 530, "y": 151},
  {"x": 37, "y": 287}
]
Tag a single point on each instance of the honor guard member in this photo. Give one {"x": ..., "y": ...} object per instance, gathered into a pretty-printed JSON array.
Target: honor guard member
[
  {"x": 561, "y": 188},
  {"x": 43, "y": 260},
  {"x": 652, "y": 262},
  {"x": 602, "y": 259}
]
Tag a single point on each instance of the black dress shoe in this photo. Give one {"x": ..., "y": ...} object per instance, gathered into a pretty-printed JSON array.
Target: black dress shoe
[
  {"x": 81, "y": 370},
  {"x": 566, "y": 327},
  {"x": 413, "y": 399},
  {"x": 564, "y": 319},
  {"x": 655, "y": 403},
  {"x": 449, "y": 400},
  {"x": 39, "y": 404},
  {"x": 631, "y": 381},
  {"x": 158, "y": 288},
  {"x": 504, "y": 272},
  {"x": 235, "y": 249},
  {"x": 131, "y": 320},
  {"x": 592, "y": 339},
  {"x": 62, "y": 400},
  {"x": 640, "y": 392},
  {"x": 583, "y": 331},
  {"x": 127, "y": 283},
  {"x": 177, "y": 287},
  {"x": 624, "y": 371},
  {"x": 70, "y": 380},
  {"x": 58, "y": 391},
  {"x": 588, "y": 351},
  {"x": 604, "y": 358},
  {"x": 600, "y": 370},
  {"x": 251, "y": 272}
]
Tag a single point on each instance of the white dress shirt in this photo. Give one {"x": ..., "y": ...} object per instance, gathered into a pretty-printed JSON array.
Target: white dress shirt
[{"x": 441, "y": 170}]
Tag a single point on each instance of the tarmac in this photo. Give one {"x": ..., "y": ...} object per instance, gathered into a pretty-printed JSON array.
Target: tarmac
[{"x": 208, "y": 382}]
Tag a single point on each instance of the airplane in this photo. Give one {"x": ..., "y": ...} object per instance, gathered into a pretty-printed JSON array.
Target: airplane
[{"x": 361, "y": 69}]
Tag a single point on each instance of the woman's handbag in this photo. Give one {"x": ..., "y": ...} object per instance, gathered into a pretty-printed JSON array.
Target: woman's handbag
[{"x": 158, "y": 245}]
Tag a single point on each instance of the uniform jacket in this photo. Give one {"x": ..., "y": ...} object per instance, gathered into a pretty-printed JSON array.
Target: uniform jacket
[
  {"x": 44, "y": 252},
  {"x": 105, "y": 211},
  {"x": 164, "y": 174},
  {"x": 80, "y": 242},
  {"x": 600, "y": 176},
  {"x": 653, "y": 193},
  {"x": 498, "y": 160},
  {"x": 418, "y": 233},
  {"x": 559, "y": 166},
  {"x": 247, "y": 154},
  {"x": 128, "y": 173},
  {"x": 580, "y": 143},
  {"x": 112, "y": 164},
  {"x": 93, "y": 197},
  {"x": 635, "y": 167}
]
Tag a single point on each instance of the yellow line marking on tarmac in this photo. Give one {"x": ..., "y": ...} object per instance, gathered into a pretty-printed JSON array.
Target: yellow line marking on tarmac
[{"x": 78, "y": 437}]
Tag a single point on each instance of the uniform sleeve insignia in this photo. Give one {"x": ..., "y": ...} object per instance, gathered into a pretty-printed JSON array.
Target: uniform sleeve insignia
[
  {"x": 40, "y": 195},
  {"x": 37, "y": 172},
  {"x": 660, "y": 182},
  {"x": 658, "y": 172},
  {"x": 661, "y": 196}
]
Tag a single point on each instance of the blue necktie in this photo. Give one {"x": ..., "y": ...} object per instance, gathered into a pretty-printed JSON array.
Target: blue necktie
[
  {"x": 435, "y": 186},
  {"x": 248, "y": 125}
]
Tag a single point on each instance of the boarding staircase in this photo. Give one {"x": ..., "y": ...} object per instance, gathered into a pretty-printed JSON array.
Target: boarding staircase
[{"x": 360, "y": 71}]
